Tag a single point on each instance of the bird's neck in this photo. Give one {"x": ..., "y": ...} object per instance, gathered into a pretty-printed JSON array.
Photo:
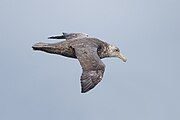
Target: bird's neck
[{"x": 103, "y": 52}]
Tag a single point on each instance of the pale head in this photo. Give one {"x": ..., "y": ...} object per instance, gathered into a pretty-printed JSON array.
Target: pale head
[{"x": 114, "y": 51}]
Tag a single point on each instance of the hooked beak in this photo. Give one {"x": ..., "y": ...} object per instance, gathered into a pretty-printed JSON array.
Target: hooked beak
[{"x": 120, "y": 55}]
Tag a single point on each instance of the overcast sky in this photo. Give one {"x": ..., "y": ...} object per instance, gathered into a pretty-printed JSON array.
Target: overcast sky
[{"x": 39, "y": 86}]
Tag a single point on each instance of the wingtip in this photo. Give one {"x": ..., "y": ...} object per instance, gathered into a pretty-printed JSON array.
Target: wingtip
[
  {"x": 56, "y": 37},
  {"x": 83, "y": 92},
  {"x": 86, "y": 90},
  {"x": 50, "y": 37}
]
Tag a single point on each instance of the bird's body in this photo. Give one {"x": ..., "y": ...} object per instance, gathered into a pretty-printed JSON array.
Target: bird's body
[
  {"x": 89, "y": 52},
  {"x": 65, "y": 47}
]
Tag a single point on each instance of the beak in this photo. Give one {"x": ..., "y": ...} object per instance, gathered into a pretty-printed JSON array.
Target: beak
[{"x": 120, "y": 55}]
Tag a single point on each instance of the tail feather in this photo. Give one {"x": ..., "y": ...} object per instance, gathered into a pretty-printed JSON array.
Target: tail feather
[{"x": 39, "y": 46}]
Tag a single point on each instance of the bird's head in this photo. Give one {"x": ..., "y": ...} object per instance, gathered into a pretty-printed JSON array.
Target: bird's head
[{"x": 114, "y": 51}]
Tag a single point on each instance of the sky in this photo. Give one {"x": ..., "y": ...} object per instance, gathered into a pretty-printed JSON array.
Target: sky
[{"x": 40, "y": 86}]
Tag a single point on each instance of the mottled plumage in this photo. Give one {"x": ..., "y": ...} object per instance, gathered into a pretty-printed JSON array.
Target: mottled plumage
[{"x": 89, "y": 52}]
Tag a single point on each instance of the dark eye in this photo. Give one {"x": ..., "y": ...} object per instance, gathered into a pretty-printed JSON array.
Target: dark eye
[{"x": 117, "y": 50}]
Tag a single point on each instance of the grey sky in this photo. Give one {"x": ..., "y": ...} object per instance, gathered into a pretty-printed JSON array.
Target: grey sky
[{"x": 37, "y": 85}]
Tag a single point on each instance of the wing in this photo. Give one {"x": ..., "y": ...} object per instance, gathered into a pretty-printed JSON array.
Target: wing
[
  {"x": 63, "y": 36},
  {"x": 93, "y": 67},
  {"x": 57, "y": 37},
  {"x": 69, "y": 36}
]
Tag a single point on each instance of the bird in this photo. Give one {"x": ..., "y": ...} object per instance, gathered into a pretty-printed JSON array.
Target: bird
[{"x": 88, "y": 50}]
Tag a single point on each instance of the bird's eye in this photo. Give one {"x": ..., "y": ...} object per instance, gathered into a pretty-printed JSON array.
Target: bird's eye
[{"x": 117, "y": 50}]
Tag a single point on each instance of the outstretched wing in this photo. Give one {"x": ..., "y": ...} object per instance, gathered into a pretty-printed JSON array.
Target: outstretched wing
[
  {"x": 93, "y": 67},
  {"x": 63, "y": 36}
]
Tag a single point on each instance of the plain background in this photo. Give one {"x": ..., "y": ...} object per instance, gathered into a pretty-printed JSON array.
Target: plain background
[{"x": 40, "y": 86}]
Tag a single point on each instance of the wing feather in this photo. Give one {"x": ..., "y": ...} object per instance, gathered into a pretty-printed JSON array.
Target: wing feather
[{"x": 93, "y": 67}]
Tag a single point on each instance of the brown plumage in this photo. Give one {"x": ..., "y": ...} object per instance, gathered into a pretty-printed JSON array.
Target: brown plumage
[{"x": 89, "y": 52}]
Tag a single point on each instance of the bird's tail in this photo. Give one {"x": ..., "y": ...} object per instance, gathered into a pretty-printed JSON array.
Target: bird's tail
[{"x": 40, "y": 46}]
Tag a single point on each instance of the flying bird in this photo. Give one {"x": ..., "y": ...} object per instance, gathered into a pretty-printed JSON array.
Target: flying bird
[{"x": 88, "y": 50}]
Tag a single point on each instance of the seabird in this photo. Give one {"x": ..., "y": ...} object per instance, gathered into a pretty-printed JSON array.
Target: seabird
[{"x": 88, "y": 50}]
